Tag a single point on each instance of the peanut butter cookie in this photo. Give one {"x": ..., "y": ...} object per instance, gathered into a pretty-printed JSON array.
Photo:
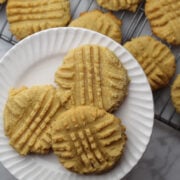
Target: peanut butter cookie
[
  {"x": 115, "y": 5},
  {"x": 28, "y": 115},
  {"x": 175, "y": 93},
  {"x": 93, "y": 75},
  {"x": 155, "y": 58},
  {"x": 164, "y": 17},
  {"x": 104, "y": 23},
  {"x": 88, "y": 140},
  {"x": 28, "y": 17}
]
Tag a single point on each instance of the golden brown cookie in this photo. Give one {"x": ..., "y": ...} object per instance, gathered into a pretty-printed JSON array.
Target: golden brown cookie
[
  {"x": 155, "y": 58},
  {"x": 28, "y": 17},
  {"x": 88, "y": 140},
  {"x": 105, "y": 23},
  {"x": 93, "y": 75},
  {"x": 28, "y": 115},
  {"x": 175, "y": 93},
  {"x": 115, "y": 5},
  {"x": 164, "y": 17}
]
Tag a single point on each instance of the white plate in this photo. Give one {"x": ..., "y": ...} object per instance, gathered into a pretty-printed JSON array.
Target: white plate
[{"x": 34, "y": 61}]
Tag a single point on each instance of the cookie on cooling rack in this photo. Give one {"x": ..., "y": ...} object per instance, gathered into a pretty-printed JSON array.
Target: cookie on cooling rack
[
  {"x": 93, "y": 75},
  {"x": 28, "y": 115},
  {"x": 164, "y": 18},
  {"x": 155, "y": 58},
  {"x": 175, "y": 93},
  {"x": 88, "y": 140},
  {"x": 28, "y": 17},
  {"x": 105, "y": 23},
  {"x": 115, "y": 5}
]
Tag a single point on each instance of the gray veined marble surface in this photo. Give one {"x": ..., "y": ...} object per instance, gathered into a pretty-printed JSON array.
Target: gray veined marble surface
[{"x": 161, "y": 161}]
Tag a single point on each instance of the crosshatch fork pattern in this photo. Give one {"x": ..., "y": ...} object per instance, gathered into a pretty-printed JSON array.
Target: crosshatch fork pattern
[{"x": 137, "y": 25}]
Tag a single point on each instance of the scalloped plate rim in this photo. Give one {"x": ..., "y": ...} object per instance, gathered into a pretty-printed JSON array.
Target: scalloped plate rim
[{"x": 29, "y": 38}]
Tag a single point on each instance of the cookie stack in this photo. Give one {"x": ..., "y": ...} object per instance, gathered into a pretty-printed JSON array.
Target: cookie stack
[{"x": 73, "y": 119}]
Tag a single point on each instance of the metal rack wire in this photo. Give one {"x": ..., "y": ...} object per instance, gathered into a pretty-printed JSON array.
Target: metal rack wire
[{"x": 134, "y": 24}]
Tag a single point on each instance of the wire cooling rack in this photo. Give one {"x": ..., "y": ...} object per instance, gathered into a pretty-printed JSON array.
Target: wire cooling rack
[{"x": 134, "y": 24}]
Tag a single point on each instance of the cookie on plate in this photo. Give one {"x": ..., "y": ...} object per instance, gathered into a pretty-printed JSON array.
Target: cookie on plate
[
  {"x": 28, "y": 17},
  {"x": 115, "y": 5},
  {"x": 105, "y": 23},
  {"x": 93, "y": 75},
  {"x": 175, "y": 93},
  {"x": 164, "y": 17},
  {"x": 88, "y": 140},
  {"x": 28, "y": 114},
  {"x": 155, "y": 58}
]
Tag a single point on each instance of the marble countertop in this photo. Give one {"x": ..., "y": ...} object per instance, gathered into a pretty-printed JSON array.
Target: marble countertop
[{"x": 161, "y": 161}]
